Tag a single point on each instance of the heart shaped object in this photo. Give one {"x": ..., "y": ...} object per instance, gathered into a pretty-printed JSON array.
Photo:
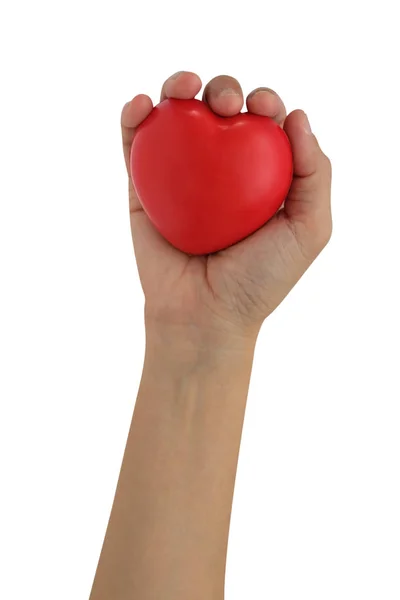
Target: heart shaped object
[{"x": 206, "y": 182}]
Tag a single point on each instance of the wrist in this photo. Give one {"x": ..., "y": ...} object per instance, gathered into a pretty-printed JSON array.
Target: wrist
[
  {"x": 196, "y": 328},
  {"x": 192, "y": 347},
  {"x": 200, "y": 390}
]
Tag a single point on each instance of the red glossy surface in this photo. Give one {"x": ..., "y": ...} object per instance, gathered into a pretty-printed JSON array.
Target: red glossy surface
[{"x": 205, "y": 181}]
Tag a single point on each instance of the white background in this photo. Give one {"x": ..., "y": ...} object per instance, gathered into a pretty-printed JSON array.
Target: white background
[{"x": 316, "y": 512}]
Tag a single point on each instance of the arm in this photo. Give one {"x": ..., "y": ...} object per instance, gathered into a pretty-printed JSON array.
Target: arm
[{"x": 168, "y": 532}]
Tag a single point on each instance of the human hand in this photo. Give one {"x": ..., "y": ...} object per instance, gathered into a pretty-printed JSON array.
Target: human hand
[{"x": 234, "y": 290}]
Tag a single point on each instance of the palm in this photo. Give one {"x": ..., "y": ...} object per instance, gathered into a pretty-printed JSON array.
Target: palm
[{"x": 225, "y": 283}]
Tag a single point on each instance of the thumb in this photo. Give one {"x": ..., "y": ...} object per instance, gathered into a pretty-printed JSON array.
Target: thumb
[{"x": 308, "y": 205}]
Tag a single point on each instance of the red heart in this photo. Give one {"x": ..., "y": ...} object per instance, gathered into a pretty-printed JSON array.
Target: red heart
[{"x": 206, "y": 182}]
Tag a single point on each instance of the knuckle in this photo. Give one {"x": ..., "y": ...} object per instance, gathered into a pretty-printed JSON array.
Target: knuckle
[
  {"x": 321, "y": 233},
  {"x": 327, "y": 165},
  {"x": 325, "y": 234},
  {"x": 315, "y": 236}
]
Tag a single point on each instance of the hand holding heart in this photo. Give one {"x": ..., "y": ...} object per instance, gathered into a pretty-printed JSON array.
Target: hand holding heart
[{"x": 217, "y": 159}]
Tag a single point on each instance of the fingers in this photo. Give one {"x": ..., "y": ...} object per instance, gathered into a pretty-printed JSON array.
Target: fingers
[
  {"x": 224, "y": 96},
  {"x": 309, "y": 201},
  {"x": 264, "y": 101},
  {"x": 307, "y": 155},
  {"x": 183, "y": 85},
  {"x": 133, "y": 113}
]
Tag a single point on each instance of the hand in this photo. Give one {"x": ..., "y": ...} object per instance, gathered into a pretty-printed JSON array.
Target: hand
[{"x": 237, "y": 288}]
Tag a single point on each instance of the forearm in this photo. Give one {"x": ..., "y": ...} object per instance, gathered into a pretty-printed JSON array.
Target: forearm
[{"x": 168, "y": 530}]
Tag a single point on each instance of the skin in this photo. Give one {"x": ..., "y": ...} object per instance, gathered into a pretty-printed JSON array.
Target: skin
[{"x": 168, "y": 530}]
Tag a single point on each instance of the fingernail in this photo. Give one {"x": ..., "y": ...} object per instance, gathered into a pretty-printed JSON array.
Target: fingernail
[
  {"x": 228, "y": 92},
  {"x": 306, "y": 125},
  {"x": 176, "y": 75},
  {"x": 262, "y": 91}
]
